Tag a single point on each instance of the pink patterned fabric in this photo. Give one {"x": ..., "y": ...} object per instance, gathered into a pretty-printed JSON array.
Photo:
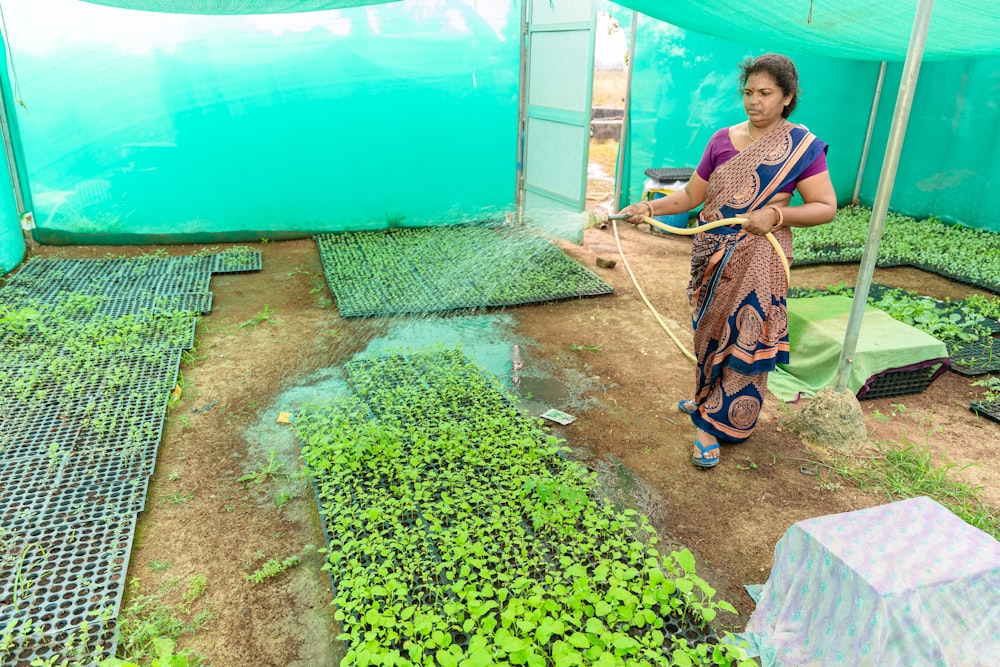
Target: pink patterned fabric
[{"x": 908, "y": 583}]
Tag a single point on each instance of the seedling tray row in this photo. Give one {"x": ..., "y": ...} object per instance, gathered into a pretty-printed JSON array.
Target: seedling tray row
[
  {"x": 450, "y": 513},
  {"x": 448, "y": 269},
  {"x": 88, "y": 363}
]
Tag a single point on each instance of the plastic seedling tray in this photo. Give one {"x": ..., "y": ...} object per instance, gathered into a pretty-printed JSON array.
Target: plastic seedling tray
[
  {"x": 900, "y": 383},
  {"x": 989, "y": 409},
  {"x": 237, "y": 262},
  {"x": 975, "y": 358}
]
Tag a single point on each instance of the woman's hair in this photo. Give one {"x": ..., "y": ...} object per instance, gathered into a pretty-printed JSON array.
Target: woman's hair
[{"x": 778, "y": 67}]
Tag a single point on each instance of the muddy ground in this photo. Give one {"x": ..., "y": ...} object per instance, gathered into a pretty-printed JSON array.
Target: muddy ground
[{"x": 272, "y": 333}]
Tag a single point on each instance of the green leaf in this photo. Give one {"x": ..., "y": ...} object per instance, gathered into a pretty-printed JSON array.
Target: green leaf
[
  {"x": 606, "y": 660},
  {"x": 564, "y": 655},
  {"x": 685, "y": 559},
  {"x": 508, "y": 642},
  {"x": 681, "y": 658},
  {"x": 447, "y": 659},
  {"x": 725, "y": 606},
  {"x": 623, "y": 643}
]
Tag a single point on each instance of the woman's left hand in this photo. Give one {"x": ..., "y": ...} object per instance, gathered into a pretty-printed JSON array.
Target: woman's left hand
[{"x": 761, "y": 221}]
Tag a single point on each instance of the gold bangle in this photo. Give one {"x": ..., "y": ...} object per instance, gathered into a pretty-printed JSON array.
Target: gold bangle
[
  {"x": 781, "y": 217},
  {"x": 650, "y": 206}
]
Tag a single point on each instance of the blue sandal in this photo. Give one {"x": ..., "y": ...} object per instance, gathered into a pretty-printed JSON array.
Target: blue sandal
[
  {"x": 703, "y": 462},
  {"x": 687, "y": 406}
]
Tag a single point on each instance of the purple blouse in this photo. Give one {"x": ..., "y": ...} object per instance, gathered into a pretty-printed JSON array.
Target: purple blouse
[{"x": 720, "y": 149}]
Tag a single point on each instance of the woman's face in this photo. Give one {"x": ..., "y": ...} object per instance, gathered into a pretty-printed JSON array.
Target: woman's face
[{"x": 763, "y": 99}]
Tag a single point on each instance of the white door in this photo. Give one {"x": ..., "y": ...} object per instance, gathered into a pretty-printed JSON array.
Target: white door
[{"x": 556, "y": 82}]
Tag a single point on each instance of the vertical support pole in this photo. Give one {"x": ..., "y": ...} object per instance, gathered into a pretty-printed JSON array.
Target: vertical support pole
[
  {"x": 855, "y": 198},
  {"x": 522, "y": 115},
  {"x": 624, "y": 134},
  {"x": 901, "y": 115}
]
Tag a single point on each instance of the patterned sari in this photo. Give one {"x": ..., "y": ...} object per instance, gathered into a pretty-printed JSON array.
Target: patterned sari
[{"x": 738, "y": 286}]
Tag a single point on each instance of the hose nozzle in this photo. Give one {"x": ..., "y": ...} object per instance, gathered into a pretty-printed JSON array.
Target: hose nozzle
[{"x": 601, "y": 220}]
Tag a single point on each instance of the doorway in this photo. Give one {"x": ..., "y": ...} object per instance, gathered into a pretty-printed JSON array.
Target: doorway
[{"x": 607, "y": 111}]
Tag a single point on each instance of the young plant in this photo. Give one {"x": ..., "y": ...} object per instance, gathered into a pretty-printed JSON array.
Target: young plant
[
  {"x": 274, "y": 567},
  {"x": 145, "y": 620},
  {"x": 266, "y": 471},
  {"x": 265, "y": 315}
]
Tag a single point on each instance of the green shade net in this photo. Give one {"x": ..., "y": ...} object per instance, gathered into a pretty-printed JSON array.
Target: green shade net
[
  {"x": 816, "y": 330},
  {"x": 850, "y": 29},
  {"x": 286, "y": 119},
  {"x": 11, "y": 238},
  {"x": 234, "y": 6},
  {"x": 11, "y": 241},
  {"x": 685, "y": 87},
  {"x": 143, "y": 127}
]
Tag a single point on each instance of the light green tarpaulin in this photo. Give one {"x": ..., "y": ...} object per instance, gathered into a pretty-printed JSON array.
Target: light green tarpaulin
[{"x": 816, "y": 328}]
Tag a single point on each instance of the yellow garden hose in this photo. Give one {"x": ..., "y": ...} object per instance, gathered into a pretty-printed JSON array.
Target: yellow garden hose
[
  {"x": 691, "y": 231},
  {"x": 688, "y": 231}
]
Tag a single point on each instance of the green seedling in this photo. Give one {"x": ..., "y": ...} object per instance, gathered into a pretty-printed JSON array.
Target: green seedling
[
  {"x": 266, "y": 471},
  {"x": 274, "y": 567},
  {"x": 265, "y": 315},
  {"x": 179, "y": 498},
  {"x": 148, "y": 623}
]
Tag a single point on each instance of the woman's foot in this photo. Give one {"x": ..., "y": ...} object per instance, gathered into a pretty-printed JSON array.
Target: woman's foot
[
  {"x": 687, "y": 406},
  {"x": 706, "y": 450}
]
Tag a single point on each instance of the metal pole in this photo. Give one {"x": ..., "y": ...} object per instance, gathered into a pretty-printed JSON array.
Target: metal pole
[
  {"x": 868, "y": 133},
  {"x": 623, "y": 134},
  {"x": 904, "y": 100},
  {"x": 8, "y": 145},
  {"x": 522, "y": 112}
]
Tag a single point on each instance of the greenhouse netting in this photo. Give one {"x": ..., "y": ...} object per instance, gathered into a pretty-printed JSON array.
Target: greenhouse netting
[
  {"x": 216, "y": 122},
  {"x": 139, "y": 126},
  {"x": 685, "y": 86}
]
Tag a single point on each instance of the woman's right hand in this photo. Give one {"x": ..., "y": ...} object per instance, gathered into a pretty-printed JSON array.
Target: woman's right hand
[{"x": 637, "y": 212}]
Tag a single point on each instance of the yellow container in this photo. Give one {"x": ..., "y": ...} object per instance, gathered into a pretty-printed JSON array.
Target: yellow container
[{"x": 679, "y": 220}]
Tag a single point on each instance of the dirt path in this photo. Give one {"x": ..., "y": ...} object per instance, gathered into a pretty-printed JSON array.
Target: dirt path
[{"x": 201, "y": 520}]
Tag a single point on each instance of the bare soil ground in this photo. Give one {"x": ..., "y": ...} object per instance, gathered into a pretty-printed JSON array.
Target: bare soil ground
[{"x": 200, "y": 519}]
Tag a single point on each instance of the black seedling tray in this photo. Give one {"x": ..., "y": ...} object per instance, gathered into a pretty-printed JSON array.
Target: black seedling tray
[
  {"x": 417, "y": 275},
  {"x": 990, "y": 409},
  {"x": 237, "y": 262},
  {"x": 84, "y": 565},
  {"x": 975, "y": 358},
  {"x": 670, "y": 174},
  {"x": 900, "y": 383}
]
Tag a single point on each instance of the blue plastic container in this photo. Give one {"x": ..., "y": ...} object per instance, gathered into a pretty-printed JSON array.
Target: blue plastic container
[{"x": 679, "y": 220}]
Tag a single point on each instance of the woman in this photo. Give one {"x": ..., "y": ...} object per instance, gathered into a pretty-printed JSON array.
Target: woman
[{"x": 738, "y": 286}]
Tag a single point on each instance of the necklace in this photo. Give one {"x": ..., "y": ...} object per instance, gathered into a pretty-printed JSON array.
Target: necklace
[{"x": 753, "y": 139}]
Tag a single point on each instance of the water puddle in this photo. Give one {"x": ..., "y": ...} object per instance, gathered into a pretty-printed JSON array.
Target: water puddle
[
  {"x": 538, "y": 383},
  {"x": 626, "y": 490},
  {"x": 544, "y": 391},
  {"x": 486, "y": 339}
]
